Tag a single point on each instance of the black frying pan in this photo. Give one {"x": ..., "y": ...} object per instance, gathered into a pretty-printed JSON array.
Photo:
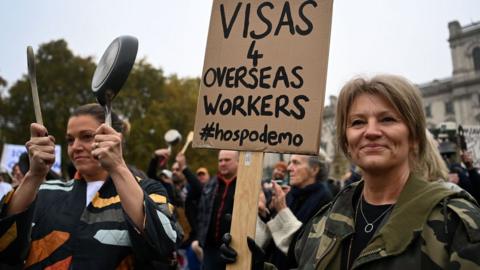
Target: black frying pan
[{"x": 113, "y": 70}]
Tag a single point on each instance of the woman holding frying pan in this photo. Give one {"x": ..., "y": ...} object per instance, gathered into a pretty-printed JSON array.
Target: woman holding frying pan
[{"x": 105, "y": 218}]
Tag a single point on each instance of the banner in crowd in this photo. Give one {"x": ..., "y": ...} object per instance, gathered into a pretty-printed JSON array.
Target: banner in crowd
[
  {"x": 472, "y": 138},
  {"x": 264, "y": 75},
  {"x": 12, "y": 152}
]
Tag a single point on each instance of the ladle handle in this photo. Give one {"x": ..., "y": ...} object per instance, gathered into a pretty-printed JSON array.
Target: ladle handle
[
  {"x": 187, "y": 143},
  {"x": 33, "y": 82}
]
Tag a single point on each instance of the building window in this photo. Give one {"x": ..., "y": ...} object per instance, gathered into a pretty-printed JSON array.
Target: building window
[
  {"x": 449, "y": 108},
  {"x": 428, "y": 110},
  {"x": 476, "y": 58}
]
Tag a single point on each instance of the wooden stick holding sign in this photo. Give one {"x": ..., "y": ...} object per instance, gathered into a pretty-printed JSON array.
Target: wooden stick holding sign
[
  {"x": 262, "y": 90},
  {"x": 245, "y": 207}
]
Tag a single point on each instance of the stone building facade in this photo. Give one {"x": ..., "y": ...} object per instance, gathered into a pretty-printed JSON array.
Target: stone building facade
[
  {"x": 454, "y": 99},
  {"x": 457, "y": 98}
]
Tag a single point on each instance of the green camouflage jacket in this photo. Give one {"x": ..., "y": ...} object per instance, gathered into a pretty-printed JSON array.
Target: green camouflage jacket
[{"x": 430, "y": 227}]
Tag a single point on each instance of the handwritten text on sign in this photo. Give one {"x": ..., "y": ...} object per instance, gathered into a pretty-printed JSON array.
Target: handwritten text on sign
[
  {"x": 263, "y": 81},
  {"x": 472, "y": 138}
]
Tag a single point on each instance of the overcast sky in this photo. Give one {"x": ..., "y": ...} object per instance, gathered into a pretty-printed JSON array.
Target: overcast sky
[{"x": 406, "y": 37}]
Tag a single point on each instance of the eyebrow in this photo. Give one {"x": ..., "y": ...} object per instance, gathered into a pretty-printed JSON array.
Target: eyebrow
[
  {"x": 356, "y": 114},
  {"x": 82, "y": 132}
]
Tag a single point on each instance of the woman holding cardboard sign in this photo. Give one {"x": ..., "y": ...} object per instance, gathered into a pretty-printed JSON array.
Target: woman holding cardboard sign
[
  {"x": 394, "y": 218},
  {"x": 105, "y": 218}
]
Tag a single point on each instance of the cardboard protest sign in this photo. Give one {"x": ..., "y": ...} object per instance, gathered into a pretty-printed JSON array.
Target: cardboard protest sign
[
  {"x": 264, "y": 75},
  {"x": 11, "y": 153},
  {"x": 472, "y": 138}
]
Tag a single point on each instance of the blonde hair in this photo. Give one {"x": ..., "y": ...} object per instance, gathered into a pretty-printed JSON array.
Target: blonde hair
[
  {"x": 401, "y": 94},
  {"x": 434, "y": 167}
]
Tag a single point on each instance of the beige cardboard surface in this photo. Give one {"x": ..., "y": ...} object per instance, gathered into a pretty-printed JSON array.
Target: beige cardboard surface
[{"x": 269, "y": 103}]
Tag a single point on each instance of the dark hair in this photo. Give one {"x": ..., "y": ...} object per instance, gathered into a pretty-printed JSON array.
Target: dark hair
[
  {"x": 98, "y": 113},
  {"x": 321, "y": 163}
]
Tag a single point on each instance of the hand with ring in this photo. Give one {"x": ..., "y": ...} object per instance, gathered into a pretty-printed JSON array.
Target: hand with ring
[{"x": 110, "y": 153}]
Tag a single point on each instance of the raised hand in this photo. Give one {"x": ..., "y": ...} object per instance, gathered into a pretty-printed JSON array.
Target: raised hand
[
  {"x": 107, "y": 148},
  {"x": 181, "y": 160},
  {"x": 41, "y": 152},
  {"x": 278, "y": 199}
]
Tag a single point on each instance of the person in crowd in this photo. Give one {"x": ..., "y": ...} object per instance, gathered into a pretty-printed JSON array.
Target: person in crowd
[
  {"x": 394, "y": 218},
  {"x": 158, "y": 162},
  {"x": 215, "y": 211},
  {"x": 17, "y": 175},
  {"x": 203, "y": 175},
  {"x": 194, "y": 186},
  {"x": 24, "y": 165},
  {"x": 473, "y": 175},
  {"x": 461, "y": 169},
  {"x": 5, "y": 184},
  {"x": 280, "y": 170},
  {"x": 333, "y": 184},
  {"x": 179, "y": 184},
  {"x": 180, "y": 196},
  {"x": 353, "y": 175},
  {"x": 157, "y": 170},
  {"x": 105, "y": 218},
  {"x": 279, "y": 174},
  {"x": 282, "y": 219}
]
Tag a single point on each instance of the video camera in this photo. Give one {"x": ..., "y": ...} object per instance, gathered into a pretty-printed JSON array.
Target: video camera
[{"x": 451, "y": 139}]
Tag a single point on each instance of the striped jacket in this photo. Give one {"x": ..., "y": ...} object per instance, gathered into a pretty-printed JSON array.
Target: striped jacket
[{"x": 59, "y": 232}]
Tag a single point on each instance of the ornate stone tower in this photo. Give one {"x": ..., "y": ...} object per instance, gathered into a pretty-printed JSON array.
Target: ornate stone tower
[{"x": 465, "y": 47}]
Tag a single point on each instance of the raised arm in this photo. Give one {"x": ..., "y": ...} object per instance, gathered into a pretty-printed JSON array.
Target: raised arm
[
  {"x": 108, "y": 150},
  {"x": 41, "y": 152},
  {"x": 17, "y": 207},
  {"x": 195, "y": 185}
]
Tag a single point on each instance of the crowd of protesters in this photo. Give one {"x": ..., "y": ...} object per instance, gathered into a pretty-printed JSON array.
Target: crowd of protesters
[{"x": 114, "y": 216}]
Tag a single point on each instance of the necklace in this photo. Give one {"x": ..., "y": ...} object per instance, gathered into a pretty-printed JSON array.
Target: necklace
[{"x": 369, "y": 227}]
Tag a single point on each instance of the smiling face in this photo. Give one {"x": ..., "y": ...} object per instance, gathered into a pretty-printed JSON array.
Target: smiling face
[
  {"x": 80, "y": 137},
  {"x": 377, "y": 137}
]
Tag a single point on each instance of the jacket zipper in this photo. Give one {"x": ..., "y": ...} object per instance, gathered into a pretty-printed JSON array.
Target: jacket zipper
[
  {"x": 366, "y": 254},
  {"x": 370, "y": 252}
]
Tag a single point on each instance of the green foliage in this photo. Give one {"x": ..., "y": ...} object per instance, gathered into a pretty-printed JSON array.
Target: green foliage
[
  {"x": 150, "y": 102},
  {"x": 2, "y": 81}
]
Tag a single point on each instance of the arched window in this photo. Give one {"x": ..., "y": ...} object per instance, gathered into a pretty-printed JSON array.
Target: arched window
[{"x": 476, "y": 58}]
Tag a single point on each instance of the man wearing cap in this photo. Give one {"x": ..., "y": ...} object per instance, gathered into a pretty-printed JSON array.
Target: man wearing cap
[{"x": 202, "y": 175}]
